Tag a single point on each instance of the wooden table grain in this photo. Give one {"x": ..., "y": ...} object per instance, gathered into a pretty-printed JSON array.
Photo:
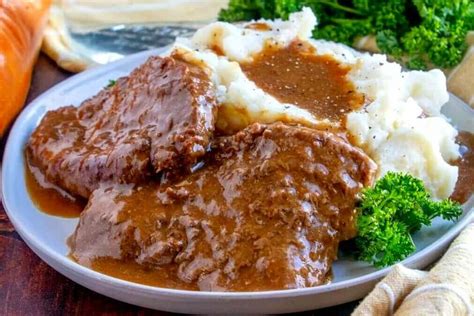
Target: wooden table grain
[{"x": 28, "y": 286}]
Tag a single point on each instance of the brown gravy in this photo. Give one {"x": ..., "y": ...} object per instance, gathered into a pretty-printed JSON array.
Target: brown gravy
[
  {"x": 49, "y": 198},
  {"x": 465, "y": 187},
  {"x": 296, "y": 75},
  {"x": 222, "y": 228}
]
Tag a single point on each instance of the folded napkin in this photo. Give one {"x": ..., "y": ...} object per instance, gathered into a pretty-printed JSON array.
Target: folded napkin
[
  {"x": 58, "y": 46},
  {"x": 448, "y": 289},
  {"x": 390, "y": 292},
  {"x": 461, "y": 78}
]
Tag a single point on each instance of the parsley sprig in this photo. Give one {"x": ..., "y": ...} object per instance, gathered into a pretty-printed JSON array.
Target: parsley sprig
[{"x": 396, "y": 207}]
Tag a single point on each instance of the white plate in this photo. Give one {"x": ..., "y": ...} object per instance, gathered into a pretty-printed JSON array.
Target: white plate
[{"x": 46, "y": 235}]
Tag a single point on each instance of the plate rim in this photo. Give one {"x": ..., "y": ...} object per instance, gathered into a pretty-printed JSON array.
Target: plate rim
[{"x": 44, "y": 251}]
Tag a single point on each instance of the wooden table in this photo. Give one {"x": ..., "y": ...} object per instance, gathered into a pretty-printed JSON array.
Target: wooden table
[{"x": 28, "y": 286}]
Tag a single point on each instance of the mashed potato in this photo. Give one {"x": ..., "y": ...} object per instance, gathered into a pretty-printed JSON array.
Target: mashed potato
[{"x": 401, "y": 127}]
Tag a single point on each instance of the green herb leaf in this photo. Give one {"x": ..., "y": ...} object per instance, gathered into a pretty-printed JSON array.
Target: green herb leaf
[
  {"x": 397, "y": 206},
  {"x": 111, "y": 83}
]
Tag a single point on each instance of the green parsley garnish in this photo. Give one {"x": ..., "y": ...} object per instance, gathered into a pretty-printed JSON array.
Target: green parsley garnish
[
  {"x": 111, "y": 83},
  {"x": 396, "y": 207}
]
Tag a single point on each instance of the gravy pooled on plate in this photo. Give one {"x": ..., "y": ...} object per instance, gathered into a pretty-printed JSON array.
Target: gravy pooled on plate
[
  {"x": 465, "y": 186},
  {"x": 50, "y": 198}
]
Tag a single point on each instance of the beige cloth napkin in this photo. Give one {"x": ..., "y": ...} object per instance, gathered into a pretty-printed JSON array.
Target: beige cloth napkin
[
  {"x": 448, "y": 289},
  {"x": 58, "y": 46},
  {"x": 461, "y": 79}
]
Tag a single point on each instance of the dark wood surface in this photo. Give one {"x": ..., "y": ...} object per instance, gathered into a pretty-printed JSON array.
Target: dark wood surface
[{"x": 28, "y": 286}]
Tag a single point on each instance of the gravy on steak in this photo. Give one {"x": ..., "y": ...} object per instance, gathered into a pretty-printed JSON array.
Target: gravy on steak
[
  {"x": 159, "y": 117},
  {"x": 317, "y": 83},
  {"x": 266, "y": 211}
]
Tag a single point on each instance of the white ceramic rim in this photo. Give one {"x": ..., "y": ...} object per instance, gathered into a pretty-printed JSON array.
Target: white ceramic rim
[{"x": 44, "y": 251}]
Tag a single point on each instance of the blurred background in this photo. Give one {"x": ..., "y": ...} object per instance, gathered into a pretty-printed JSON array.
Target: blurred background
[{"x": 105, "y": 30}]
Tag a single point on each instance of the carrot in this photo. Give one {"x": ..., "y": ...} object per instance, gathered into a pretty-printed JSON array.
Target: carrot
[{"x": 21, "y": 28}]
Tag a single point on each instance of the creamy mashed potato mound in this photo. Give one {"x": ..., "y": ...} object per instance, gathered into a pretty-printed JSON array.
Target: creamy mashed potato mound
[{"x": 400, "y": 127}]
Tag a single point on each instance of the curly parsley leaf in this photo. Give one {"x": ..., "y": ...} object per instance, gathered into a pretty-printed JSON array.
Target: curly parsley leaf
[
  {"x": 397, "y": 206},
  {"x": 111, "y": 83},
  {"x": 440, "y": 38}
]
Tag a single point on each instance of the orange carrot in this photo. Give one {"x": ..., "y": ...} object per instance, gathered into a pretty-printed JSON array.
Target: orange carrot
[{"x": 21, "y": 29}]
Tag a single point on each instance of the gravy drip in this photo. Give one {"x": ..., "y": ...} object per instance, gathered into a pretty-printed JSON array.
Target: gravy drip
[
  {"x": 465, "y": 186},
  {"x": 296, "y": 75},
  {"x": 49, "y": 198}
]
